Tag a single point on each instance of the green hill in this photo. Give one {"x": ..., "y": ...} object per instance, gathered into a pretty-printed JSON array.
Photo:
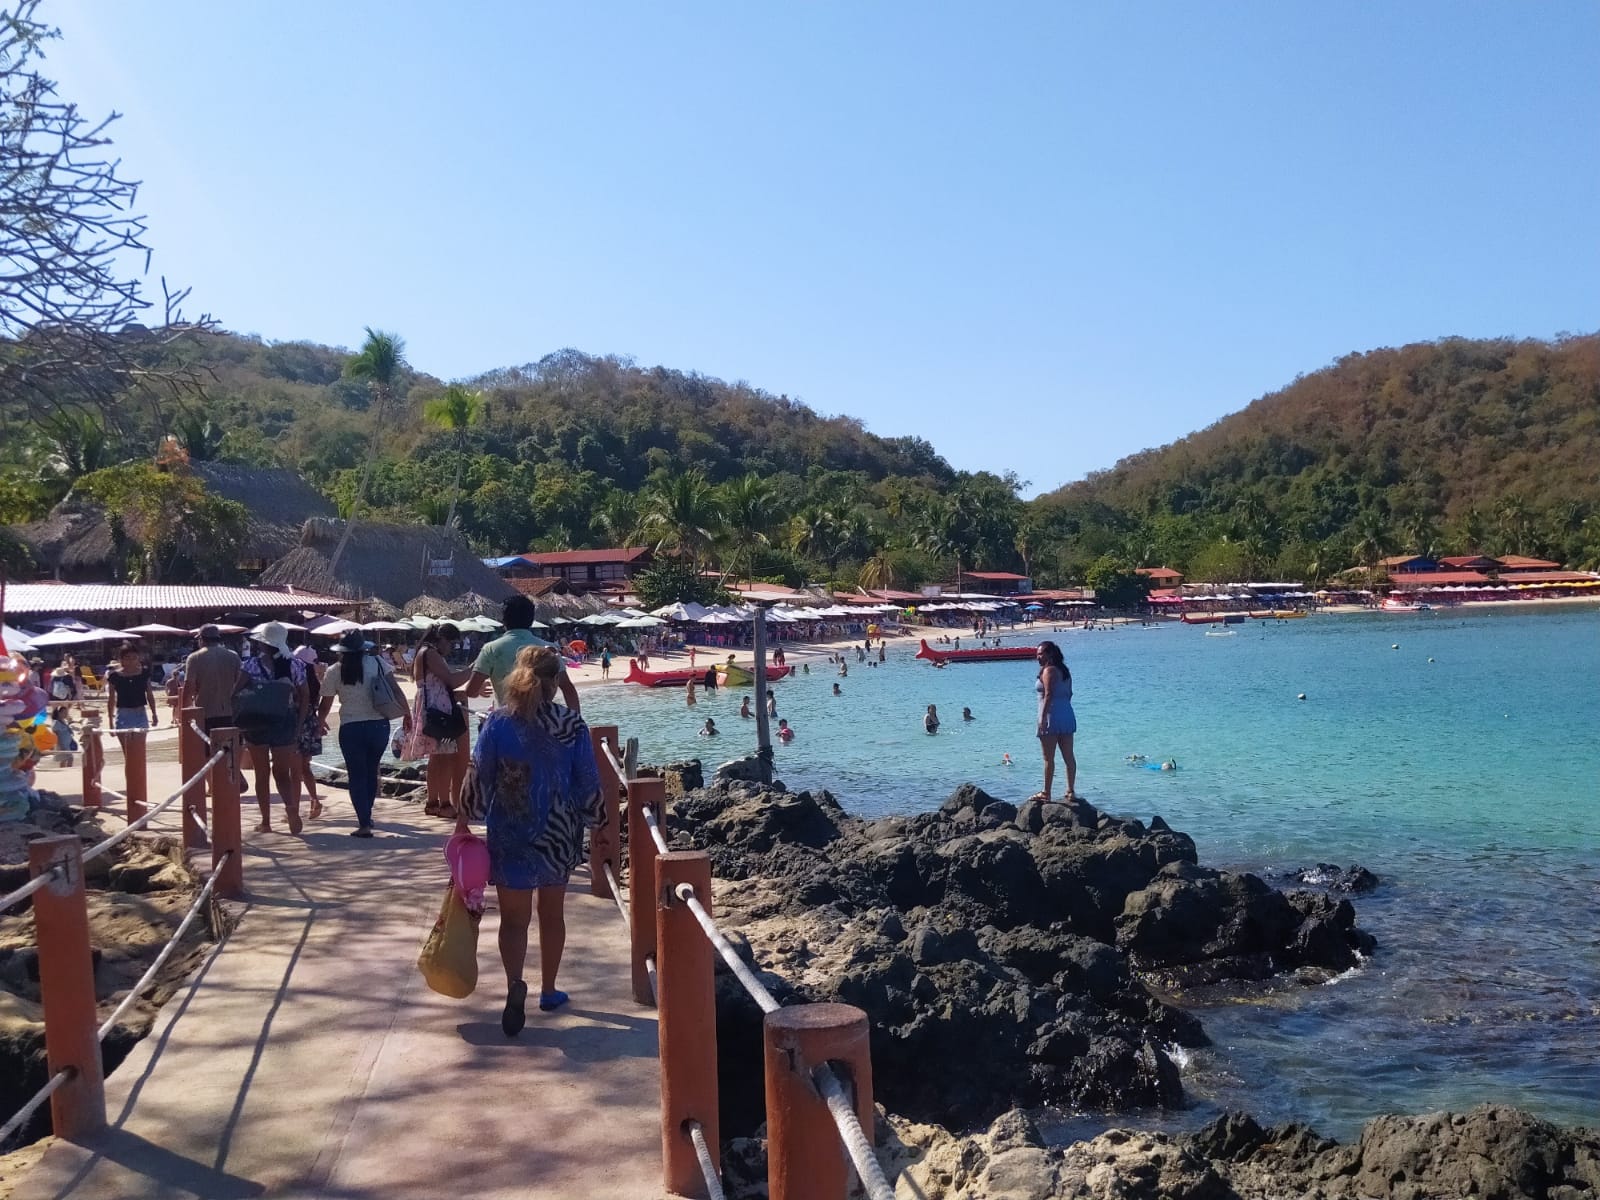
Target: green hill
[{"x": 1448, "y": 446}]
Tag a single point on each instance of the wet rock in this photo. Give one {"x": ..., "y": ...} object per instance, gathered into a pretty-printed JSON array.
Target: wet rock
[
  {"x": 997, "y": 950},
  {"x": 1352, "y": 880}
]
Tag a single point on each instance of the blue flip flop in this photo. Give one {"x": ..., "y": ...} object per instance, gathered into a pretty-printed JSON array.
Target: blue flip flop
[{"x": 549, "y": 1001}]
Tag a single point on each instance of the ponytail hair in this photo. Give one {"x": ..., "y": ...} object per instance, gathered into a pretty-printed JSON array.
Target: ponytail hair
[
  {"x": 532, "y": 682},
  {"x": 1053, "y": 658}
]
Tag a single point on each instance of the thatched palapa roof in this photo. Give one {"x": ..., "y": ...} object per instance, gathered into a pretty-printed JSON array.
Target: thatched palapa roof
[
  {"x": 74, "y": 538},
  {"x": 395, "y": 563},
  {"x": 279, "y": 503}
]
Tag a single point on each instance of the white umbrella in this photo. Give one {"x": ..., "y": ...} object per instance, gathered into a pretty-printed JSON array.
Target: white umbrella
[
  {"x": 74, "y": 637},
  {"x": 478, "y": 624},
  {"x": 645, "y": 622},
  {"x": 15, "y": 639},
  {"x": 153, "y": 628},
  {"x": 335, "y": 628},
  {"x": 604, "y": 618},
  {"x": 386, "y": 627}
]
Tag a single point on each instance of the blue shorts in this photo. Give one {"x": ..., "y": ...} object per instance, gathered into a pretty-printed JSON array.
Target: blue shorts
[{"x": 132, "y": 718}]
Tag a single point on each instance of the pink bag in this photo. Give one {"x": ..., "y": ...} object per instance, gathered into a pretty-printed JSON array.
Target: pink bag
[{"x": 468, "y": 856}]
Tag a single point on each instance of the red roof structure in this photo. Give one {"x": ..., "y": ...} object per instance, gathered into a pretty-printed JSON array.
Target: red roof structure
[
  {"x": 1158, "y": 572},
  {"x": 584, "y": 558},
  {"x": 995, "y": 576},
  {"x": 1432, "y": 579},
  {"x": 1472, "y": 562},
  {"x": 1520, "y": 563}
]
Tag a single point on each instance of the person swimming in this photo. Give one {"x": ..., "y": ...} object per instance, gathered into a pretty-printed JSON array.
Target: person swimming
[
  {"x": 805, "y": 668},
  {"x": 836, "y": 690},
  {"x": 745, "y": 710},
  {"x": 709, "y": 729},
  {"x": 966, "y": 715},
  {"x": 785, "y": 734},
  {"x": 1005, "y": 760},
  {"x": 1170, "y": 765},
  {"x": 930, "y": 722}
]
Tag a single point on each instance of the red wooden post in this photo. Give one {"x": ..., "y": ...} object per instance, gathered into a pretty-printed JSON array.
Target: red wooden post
[
  {"x": 686, "y": 1019},
  {"x": 603, "y": 841},
  {"x": 642, "y": 794},
  {"x": 226, "y": 831},
  {"x": 192, "y": 754},
  {"x": 136, "y": 782},
  {"x": 94, "y": 760},
  {"x": 66, "y": 985},
  {"x": 806, "y": 1160}
]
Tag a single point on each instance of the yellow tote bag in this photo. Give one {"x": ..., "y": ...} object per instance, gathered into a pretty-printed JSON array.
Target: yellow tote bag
[{"x": 449, "y": 958}]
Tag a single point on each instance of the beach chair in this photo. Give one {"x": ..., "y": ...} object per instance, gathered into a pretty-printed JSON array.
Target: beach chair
[{"x": 92, "y": 683}]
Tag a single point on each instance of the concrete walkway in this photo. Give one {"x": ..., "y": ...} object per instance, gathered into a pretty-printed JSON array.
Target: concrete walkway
[{"x": 308, "y": 1058}]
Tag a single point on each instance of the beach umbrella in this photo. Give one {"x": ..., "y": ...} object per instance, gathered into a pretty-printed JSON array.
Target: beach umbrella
[
  {"x": 334, "y": 628},
  {"x": 386, "y": 627},
  {"x": 15, "y": 639},
  {"x": 478, "y": 625},
  {"x": 77, "y": 637},
  {"x": 646, "y": 622},
  {"x": 158, "y": 630}
]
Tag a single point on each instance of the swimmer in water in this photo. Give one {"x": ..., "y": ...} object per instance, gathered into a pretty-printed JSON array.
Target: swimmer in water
[
  {"x": 744, "y": 709},
  {"x": 1005, "y": 760},
  {"x": 930, "y": 722},
  {"x": 709, "y": 729},
  {"x": 836, "y": 690},
  {"x": 805, "y": 668},
  {"x": 785, "y": 734},
  {"x": 1170, "y": 765},
  {"x": 966, "y": 715}
]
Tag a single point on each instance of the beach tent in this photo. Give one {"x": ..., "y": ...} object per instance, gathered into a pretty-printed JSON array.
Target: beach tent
[
  {"x": 681, "y": 611},
  {"x": 386, "y": 627}
]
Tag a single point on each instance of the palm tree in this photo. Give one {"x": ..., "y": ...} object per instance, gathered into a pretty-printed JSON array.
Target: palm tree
[
  {"x": 877, "y": 573},
  {"x": 1512, "y": 513},
  {"x": 616, "y": 520},
  {"x": 811, "y": 532},
  {"x": 455, "y": 412},
  {"x": 80, "y": 444},
  {"x": 747, "y": 519},
  {"x": 679, "y": 513},
  {"x": 1372, "y": 540},
  {"x": 382, "y": 358},
  {"x": 199, "y": 435}
]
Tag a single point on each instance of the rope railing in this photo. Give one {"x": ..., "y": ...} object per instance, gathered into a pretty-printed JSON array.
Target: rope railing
[
  {"x": 741, "y": 969},
  {"x": 817, "y": 1057},
  {"x": 166, "y": 951},
  {"x": 708, "y": 1168},
  {"x": 24, "y": 1114},
  {"x": 199, "y": 732},
  {"x": 654, "y": 826},
  {"x": 138, "y": 823},
  {"x": 856, "y": 1143},
  {"x": 33, "y": 885}
]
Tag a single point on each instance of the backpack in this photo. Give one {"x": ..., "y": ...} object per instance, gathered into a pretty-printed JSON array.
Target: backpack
[{"x": 385, "y": 692}]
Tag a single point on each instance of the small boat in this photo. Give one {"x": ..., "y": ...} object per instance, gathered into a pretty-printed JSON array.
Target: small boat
[
  {"x": 1214, "y": 618},
  {"x": 1286, "y": 614},
  {"x": 981, "y": 654},
  {"x": 1395, "y": 604},
  {"x": 682, "y": 675}
]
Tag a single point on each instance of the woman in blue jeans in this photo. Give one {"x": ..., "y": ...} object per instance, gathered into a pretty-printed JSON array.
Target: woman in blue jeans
[{"x": 363, "y": 730}]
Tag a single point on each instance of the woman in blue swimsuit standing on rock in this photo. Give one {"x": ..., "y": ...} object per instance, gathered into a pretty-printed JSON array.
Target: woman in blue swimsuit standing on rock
[{"x": 1057, "y": 721}]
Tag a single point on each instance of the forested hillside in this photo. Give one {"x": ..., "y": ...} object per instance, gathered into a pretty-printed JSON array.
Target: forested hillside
[
  {"x": 1453, "y": 446},
  {"x": 1443, "y": 447}
]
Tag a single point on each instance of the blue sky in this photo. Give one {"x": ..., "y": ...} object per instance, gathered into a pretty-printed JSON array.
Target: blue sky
[{"x": 1042, "y": 235}]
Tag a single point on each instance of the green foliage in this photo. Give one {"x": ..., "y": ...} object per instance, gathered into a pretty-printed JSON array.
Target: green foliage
[
  {"x": 172, "y": 528},
  {"x": 16, "y": 560},
  {"x": 1116, "y": 584},
  {"x": 668, "y": 580},
  {"x": 1446, "y": 447}
]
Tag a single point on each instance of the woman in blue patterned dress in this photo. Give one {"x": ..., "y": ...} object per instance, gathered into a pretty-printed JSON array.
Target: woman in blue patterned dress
[{"x": 534, "y": 782}]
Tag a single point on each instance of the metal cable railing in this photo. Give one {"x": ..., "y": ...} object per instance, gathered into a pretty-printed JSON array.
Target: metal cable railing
[
  {"x": 139, "y": 823},
  {"x": 40, "y": 881},
  {"x": 856, "y": 1142},
  {"x": 616, "y": 894},
  {"x": 654, "y": 826},
  {"x": 22, "y": 1115},
  {"x": 741, "y": 969},
  {"x": 708, "y": 1169},
  {"x": 166, "y": 951}
]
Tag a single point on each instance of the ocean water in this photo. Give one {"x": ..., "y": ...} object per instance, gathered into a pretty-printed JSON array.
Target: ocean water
[{"x": 1456, "y": 754}]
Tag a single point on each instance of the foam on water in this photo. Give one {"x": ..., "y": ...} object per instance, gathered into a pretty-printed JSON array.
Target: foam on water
[{"x": 1461, "y": 768}]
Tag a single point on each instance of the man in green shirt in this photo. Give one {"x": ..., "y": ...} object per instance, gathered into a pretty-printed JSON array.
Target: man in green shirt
[{"x": 495, "y": 660}]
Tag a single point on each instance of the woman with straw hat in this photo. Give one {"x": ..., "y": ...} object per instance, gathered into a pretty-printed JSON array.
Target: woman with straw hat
[{"x": 274, "y": 727}]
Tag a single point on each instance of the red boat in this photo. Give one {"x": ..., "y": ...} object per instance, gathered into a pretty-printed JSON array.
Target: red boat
[
  {"x": 982, "y": 654},
  {"x": 681, "y": 676}
]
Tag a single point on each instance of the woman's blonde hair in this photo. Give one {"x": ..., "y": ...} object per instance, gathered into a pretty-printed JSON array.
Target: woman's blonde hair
[{"x": 532, "y": 682}]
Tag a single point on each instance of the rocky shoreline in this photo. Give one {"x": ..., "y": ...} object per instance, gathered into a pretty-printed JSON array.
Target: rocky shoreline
[{"x": 1014, "y": 957}]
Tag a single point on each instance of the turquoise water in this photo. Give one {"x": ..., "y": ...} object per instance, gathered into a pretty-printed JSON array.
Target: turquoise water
[{"x": 1469, "y": 783}]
